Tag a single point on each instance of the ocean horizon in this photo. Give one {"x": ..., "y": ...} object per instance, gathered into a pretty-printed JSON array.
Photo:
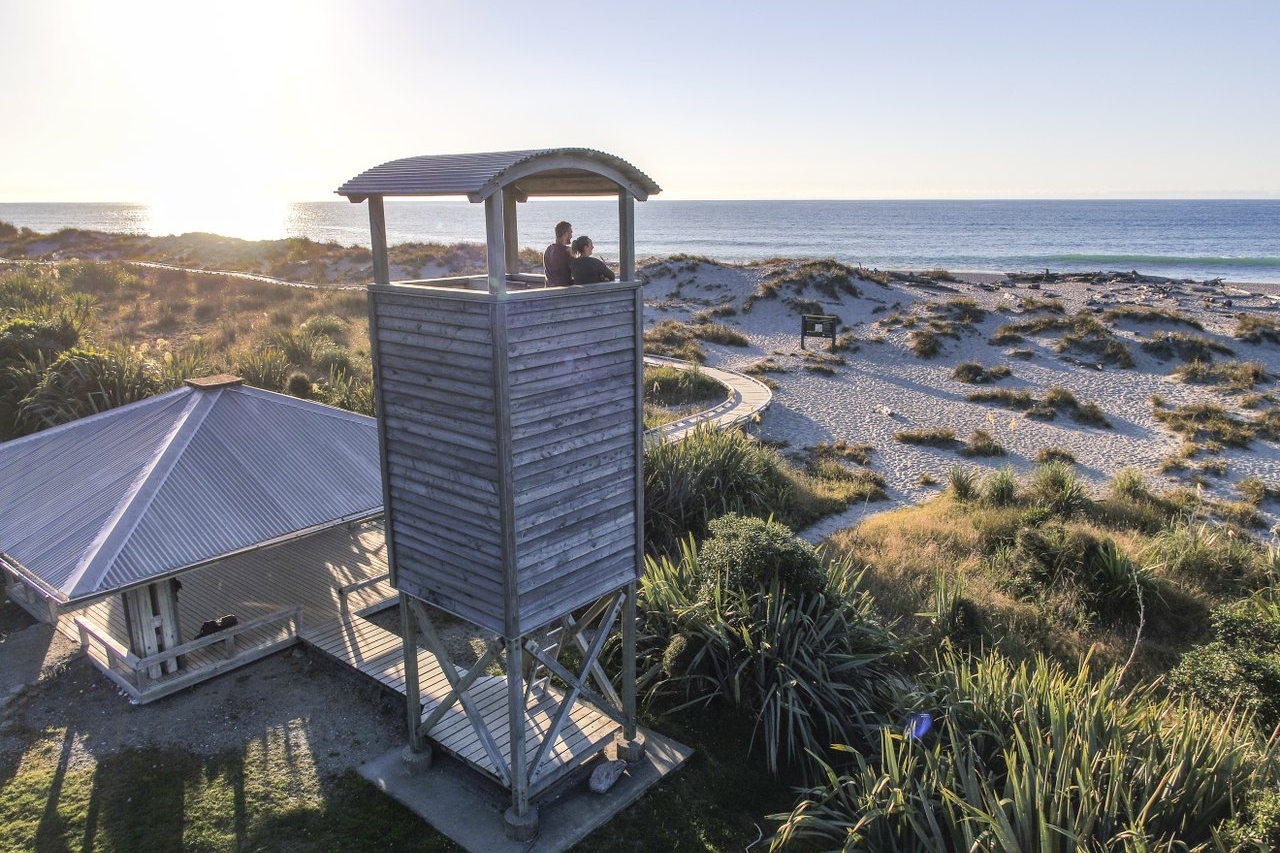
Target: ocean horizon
[{"x": 1234, "y": 240}]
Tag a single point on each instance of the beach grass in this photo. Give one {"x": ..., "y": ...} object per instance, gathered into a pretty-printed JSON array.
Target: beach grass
[{"x": 1227, "y": 375}]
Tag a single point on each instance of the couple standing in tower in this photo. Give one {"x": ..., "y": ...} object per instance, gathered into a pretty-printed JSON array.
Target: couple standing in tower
[{"x": 569, "y": 261}]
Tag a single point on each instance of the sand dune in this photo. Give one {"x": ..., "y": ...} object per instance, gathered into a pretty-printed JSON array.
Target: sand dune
[{"x": 879, "y": 387}]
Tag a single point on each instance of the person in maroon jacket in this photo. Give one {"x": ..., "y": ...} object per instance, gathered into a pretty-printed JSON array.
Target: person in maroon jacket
[{"x": 555, "y": 260}]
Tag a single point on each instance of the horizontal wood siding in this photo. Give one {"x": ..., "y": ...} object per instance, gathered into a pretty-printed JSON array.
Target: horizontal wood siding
[
  {"x": 435, "y": 372},
  {"x": 574, "y": 422},
  {"x": 572, "y": 358}
]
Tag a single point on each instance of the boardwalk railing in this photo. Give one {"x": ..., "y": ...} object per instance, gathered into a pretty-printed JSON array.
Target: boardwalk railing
[
  {"x": 345, "y": 592},
  {"x": 200, "y": 658}
]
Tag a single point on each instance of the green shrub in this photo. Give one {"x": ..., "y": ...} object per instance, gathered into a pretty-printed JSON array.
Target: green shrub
[
  {"x": 747, "y": 553},
  {"x": 1241, "y": 666},
  {"x": 27, "y": 340}
]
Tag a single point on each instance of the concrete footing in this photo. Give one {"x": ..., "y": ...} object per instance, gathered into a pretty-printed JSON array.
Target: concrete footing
[
  {"x": 520, "y": 827},
  {"x": 416, "y": 760},
  {"x": 472, "y": 810}
]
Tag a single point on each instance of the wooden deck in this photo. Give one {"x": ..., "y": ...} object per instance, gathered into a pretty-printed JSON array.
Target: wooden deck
[{"x": 318, "y": 591}]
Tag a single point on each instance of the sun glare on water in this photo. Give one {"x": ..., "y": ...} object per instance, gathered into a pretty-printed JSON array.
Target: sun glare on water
[{"x": 230, "y": 216}]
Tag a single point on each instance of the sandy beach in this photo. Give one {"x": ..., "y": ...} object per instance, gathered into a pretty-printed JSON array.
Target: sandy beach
[{"x": 878, "y": 387}]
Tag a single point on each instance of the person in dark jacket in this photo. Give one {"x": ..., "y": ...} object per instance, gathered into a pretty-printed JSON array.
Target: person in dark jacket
[
  {"x": 557, "y": 257},
  {"x": 586, "y": 269}
]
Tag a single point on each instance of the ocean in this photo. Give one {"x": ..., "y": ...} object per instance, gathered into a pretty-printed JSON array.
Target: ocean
[{"x": 1235, "y": 240}]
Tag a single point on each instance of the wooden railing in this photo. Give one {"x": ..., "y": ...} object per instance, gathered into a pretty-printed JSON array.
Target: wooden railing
[
  {"x": 132, "y": 673},
  {"x": 345, "y": 592}
]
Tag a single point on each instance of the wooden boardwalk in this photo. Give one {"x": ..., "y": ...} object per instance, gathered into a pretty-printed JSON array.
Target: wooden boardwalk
[{"x": 747, "y": 398}]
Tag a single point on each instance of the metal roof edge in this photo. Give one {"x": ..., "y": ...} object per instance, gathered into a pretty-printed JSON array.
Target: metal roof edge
[
  {"x": 299, "y": 403},
  {"x": 283, "y": 539},
  {"x": 32, "y": 580},
  {"x": 96, "y": 416},
  {"x": 615, "y": 169}
]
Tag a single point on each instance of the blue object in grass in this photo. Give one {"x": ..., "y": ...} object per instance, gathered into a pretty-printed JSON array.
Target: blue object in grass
[{"x": 918, "y": 725}]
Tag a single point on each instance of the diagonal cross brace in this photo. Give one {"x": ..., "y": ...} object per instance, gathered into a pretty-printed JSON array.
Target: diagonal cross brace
[{"x": 460, "y": 691}]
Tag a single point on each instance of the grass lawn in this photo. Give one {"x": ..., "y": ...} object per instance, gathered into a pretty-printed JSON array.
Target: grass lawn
[{"x": 268, "y": 795}]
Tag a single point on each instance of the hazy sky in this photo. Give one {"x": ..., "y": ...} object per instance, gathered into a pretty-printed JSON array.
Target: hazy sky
[{"x": 150, "y": 101}]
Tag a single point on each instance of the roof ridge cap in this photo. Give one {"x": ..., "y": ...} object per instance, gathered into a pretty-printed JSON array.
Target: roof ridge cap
[{"x": 101, "y": 554}]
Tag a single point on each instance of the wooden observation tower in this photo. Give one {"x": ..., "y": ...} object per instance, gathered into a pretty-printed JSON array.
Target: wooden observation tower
[{"x": 510, "y": 420}]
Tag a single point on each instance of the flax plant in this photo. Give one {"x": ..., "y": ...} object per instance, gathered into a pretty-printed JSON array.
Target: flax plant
[{"x": 1031, "y": 757}]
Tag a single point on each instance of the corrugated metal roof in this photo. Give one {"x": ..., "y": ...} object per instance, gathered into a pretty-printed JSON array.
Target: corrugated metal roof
[
  {"x": 548, "y": 171},
  {"x": 147, "y": 489}
]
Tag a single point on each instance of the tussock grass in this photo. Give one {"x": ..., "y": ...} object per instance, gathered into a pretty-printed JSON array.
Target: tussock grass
[
  {"x": 671, "y": 386},
  {"x": 981, "y": 443},
  {"x": 1187, "y": 347},
  {"x": 1056, "y": 399},
  {"x": 1206, "y": 421},
  {"x": 1149, "y": 314},
  {"x": 1081, "y": 332},
  {"x": 1055, "y": 454},
  {"x": 934, "y": 437},
  {"x": 974, "y": 373},
  {"x": 718, "y": 333},
  {"x": 1254, "y": 329},
  {"x": 924, "y": 343},
  {"x": 1228, "y": 375},
  {"x": 826, "y": 277},
  {"x": 841, "y": 449},
  {"x": 675, "y": 340}
]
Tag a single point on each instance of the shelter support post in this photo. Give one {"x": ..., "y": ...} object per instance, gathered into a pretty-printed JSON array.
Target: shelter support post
[
  {"x": 378, "y": 238},
  {"x": 626, "y": 236},
  {"x": 494, "y": 221},
  {"x": 510, "y": 235},
  {"x": 521, "y": 819},
  {"x": 630, "y": 742},
  {"x": 409, "y": 633},
  {"x": 151, "y": 613}
]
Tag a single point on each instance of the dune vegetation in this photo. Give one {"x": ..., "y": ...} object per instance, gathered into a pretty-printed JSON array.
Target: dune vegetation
[{"x": 1019, "y": 663}]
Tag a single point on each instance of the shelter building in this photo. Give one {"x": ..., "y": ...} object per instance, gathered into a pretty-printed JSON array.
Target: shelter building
[{"x": 192, "y": 532}]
